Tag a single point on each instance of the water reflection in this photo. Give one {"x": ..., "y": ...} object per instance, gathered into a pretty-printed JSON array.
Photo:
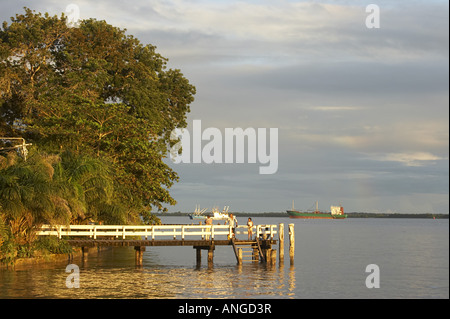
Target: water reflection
[
  {"x": 111, "y": 274},
  {"x": 330, "y": 262}
]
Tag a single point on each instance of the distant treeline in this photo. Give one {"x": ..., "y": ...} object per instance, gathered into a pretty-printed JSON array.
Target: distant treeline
[
  {"x": 396, "y": 215},
  {"x": 349, "y": 215}
]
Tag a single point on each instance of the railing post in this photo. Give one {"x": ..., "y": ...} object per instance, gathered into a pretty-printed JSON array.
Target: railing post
[
  {"x": 182, "y": 232},
  {"x": 123, "y": 232},
  {"x": 95, "y": 232}
]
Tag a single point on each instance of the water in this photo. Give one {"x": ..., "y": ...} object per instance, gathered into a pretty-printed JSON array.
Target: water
[{"x": 330, "y": 262}]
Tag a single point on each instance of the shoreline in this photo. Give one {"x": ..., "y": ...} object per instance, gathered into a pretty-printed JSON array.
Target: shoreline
[
  {"x": 349, "y": 215},
  {"x": 47, "y": 260}
]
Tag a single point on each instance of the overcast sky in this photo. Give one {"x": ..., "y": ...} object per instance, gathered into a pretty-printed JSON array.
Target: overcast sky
[{"x": 362, "y": 114}]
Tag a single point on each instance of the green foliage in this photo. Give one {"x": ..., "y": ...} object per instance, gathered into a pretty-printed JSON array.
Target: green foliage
[
  {"x": 94, "y": 90},
  {"x": 53, "y": 245},
  {"x": 50, "y": 189},
  {"x": 98, "y": 107}
]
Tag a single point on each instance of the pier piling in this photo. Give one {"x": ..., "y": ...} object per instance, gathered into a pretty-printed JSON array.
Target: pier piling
[
  {"x": 211, "y": 255},
  {"x": 273, "y": 257},
  {"x": 198, "y": 256},
  {"x": 139, "y": 255},
  {"x": 281, "y": 243},
  {"x": 84, "y": 252},
  {"x": 291, "y": 243},
  {"x": 239, "y": 250}
]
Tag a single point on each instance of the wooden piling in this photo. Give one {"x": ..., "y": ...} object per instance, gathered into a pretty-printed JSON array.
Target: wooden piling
[
  {"x": 210, "y": 255},
  {"x": 273, "y": 257},
  {"x": 239, "y": 250},
  {"x": 139, "y": 255},
  {"x": 268, "y": 254},
  {"x": 85, "y": 252},
  {"x": 198, "y": 256},
  {"x": 281, "y": 243},
  {"x": 291, "y": 243}
]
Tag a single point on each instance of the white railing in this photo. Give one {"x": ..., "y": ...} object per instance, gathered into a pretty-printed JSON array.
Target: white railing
[{"x": 208, "y": 232}]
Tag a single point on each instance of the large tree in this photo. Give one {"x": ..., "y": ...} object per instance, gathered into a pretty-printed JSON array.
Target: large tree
[{"x": 96, "y": 91}]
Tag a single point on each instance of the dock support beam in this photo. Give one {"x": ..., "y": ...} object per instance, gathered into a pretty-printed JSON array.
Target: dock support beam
[
  {"x": 291, "y": 243},
  {"x": 273, "y": 257},
  {"x": 281, "y": 243},
  {"x": 139, "y": 254},
  {"x": 198, "y": 254},
  {"x": 84, "y": 252},
  {"x": 210, "y": 255}
]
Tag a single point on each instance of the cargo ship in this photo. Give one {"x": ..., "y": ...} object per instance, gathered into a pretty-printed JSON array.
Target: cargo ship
[{"x": 336, "y": 212}]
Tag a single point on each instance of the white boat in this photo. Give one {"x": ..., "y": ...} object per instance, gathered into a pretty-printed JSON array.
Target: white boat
[{"x": 215, "y": 213}]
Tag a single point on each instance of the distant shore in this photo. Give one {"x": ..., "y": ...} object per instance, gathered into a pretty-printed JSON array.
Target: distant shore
[{"x": 349, "y": 215}]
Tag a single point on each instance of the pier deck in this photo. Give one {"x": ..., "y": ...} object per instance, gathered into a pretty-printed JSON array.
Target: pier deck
[{"x": 200, "y": 237}]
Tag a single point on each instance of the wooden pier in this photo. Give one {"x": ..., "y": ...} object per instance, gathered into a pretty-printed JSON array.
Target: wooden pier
[{"x": 200, "y": 237}]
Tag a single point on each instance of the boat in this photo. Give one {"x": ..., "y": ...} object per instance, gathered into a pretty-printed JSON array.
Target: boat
[
  {"x": 336, "y": 212},
  {"x": 198, "y": 214},
  {"x": 215, "y": 213}
]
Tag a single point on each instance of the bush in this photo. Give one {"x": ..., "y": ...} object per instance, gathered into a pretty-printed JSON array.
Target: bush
[{"x": 53, "y": 245}]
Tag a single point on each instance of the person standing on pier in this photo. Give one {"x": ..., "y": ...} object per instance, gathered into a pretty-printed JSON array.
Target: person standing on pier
[
  {"x": 208, "y": 222},
  {"x": 232, "y": 221},
  {"x": 250, "y": 228}
]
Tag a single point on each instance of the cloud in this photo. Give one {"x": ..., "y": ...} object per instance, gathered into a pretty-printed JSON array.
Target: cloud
[
  {"x": 362, "y": 113},
  {"x": 410, "y": 159}
]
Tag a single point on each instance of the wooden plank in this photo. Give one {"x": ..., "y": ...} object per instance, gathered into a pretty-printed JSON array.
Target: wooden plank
[
  {"x": 106, "y": 242},
  {"x": 259, "y": 249},
  {"x": 235, "y": 250}
]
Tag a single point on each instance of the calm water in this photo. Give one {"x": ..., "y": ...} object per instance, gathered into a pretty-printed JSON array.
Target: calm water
[{"x": 330, "y": 262}]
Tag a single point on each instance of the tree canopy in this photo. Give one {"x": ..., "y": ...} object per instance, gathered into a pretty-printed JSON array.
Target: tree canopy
[{"x": 95, "y": 95}]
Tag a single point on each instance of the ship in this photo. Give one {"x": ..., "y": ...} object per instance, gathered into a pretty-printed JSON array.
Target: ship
[
  {"x": 215, "y": 213},
  {"x": 336, "y": 212},
  {"x": 198, "y": 213}
]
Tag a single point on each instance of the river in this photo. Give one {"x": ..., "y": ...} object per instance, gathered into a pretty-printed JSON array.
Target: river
[{"x": 331, "y": 256}]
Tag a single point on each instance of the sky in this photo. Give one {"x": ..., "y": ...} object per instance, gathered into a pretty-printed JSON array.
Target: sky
[{"x": 362, "y": 113}]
